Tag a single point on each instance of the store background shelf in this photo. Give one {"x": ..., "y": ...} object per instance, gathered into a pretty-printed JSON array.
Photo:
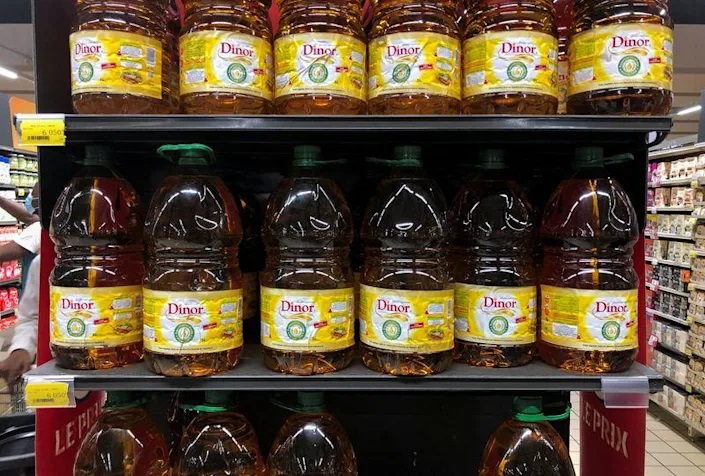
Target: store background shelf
[
  {"x": 655, "y": 261},
  {"x": 656, "y": 287},
  {"x": 667, "y": 316}
]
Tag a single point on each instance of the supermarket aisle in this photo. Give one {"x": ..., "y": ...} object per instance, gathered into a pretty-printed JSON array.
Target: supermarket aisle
[{"x": 669, "y": 449}]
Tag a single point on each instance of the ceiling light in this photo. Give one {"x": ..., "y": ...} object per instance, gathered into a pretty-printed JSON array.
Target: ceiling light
[
  {"x": 8, "y": 73},
  {"x": 689, "y": 110}
]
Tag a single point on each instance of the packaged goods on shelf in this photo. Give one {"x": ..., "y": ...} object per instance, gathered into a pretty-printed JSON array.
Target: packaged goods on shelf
[
  {"x": 651, "y": 225},
  {"x": 670, "y": 335},
  {"x": 695, "y": 378},
  {"x": 670, "y": 367},
  {"x": 664, "y": 224},
  {"x": 649, "y": 249},
  {"x": 696, "y": 343},
  {"x": 650, "y": 198},
  {"x": 650, "y": 297},
  {"x": 648, "y": 272},
  {"x": 699, "y": 230},
  {"x": 662, "y": 197},
  {"x": 695, "y": 411}
]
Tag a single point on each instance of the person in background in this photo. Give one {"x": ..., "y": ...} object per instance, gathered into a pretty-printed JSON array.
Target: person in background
[
  {"x": 26, "y": 213},
  {"x": 23, "y": 349},
  {"x": 26, "y": 245}
]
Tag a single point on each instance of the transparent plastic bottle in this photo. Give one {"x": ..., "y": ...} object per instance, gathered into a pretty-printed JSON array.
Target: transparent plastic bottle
[
  {"x": 179, "y": 414},
  {"x": 414, "y": 54},
  {"x": 307, "y": 291},
  {"x": 125, "y": 440},
  {"x": 527, "y": 444},
  {"x": 564, "y": 20},
  {"x": 406, "y": 291},
  {"x": 320, "y": 58},
  {"x": 219, "y": 441},
  {"x": 492, "y": 238},
  {"x": 193, "y": 285},
  {"x": 589, "y": 311},
  {"x": 621, "y": 58},
  {"x": 95, "y": 286},
  {"x": 226, "y": 58},
  {"x": 509, "y": 56},
  {"x": 311, "y": 443},
  {"x": 120, "y": 61}
]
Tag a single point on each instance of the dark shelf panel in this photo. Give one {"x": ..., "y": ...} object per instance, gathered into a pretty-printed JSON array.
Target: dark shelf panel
[
  {"x": 4, "y": 149},
  {"x": 368, "y": 129},
  {"x": 252, "y": 375}
]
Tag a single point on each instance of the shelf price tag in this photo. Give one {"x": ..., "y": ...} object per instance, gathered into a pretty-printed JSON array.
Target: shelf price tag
[
  {"x": 625, "y": 392},
  {"x": 694, "y": 184},
  {"x": 688, "y": 351},
  {"x": 41, "y": 129},
  {"x": 689, "y": 319},
  {"x": 654, "y": 261},
  {"x": 689, "y": 388},
  {"x": 43, "y": 392}
]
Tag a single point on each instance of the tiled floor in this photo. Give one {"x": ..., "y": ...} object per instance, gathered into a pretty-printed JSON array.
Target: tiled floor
[{"x": 669, "y": 449}]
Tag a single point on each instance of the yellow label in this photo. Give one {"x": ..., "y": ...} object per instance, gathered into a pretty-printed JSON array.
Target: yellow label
[
  {"x": 406, "y": 321},
  {"x": 320, "y": 63},
  {"x": 226, "y": 62},
  {"x": 47, "y": 394},
  {"x": 308, "y": 320},
  {"x": 495, "y": 315},
  {"x": 563, "y": 79},
  {"x": 93, "y": 317},
  {"x": 589, "y": 320},
  {"x": 415, "y": 62},
  {"x": 192, "y": 322},
  {"x": 633, "y": 55},
  {"x": 41, "y": 129},
  {"x": 250, "y": 295},
  {"x": 116, "y": 62},
  {"x": 510, "y": 61}
]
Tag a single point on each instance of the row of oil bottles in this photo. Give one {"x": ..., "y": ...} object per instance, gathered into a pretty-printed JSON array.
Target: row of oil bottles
[
  {"x": 434, "y": 286},
  {"x": 210, "y": 436}
]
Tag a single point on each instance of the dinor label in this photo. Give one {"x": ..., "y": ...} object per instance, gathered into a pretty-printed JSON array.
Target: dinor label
[
  {"x": 320, "y": 63},
  {"x": 563, "y": 80},
  {"x": 192, "y": 322},
  {"x": 510, "y": 61},
  {"x": 495, "y": 315},
  {"x": 93, "y": 317},
  {"x": 406, "y": 321},
  {"x": 307, "y": 320},
  {"x": 633, "y": 55},
  {"x": 589, "y": 320},
  {"x": 226, "y": 62},
  {"x": 414, "y": 62},
  {"x": 115, "y": 62},
  {"x": 250, "y": 295}
]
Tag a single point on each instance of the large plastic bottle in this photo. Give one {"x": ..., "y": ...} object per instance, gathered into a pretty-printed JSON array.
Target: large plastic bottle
[
  {"x": 589, "y": 286},
  {"x": 125, "y": 440},
  {"x": 193, "y": 284},
  {"x": 96, "y": 292},
  {"x": 307, "y": 291},
  {"x": 311, "y": 442},
  {"x": 406, "y": 293},
  {"x": 527, "y": 444},
  {"x": 495, "y": 280},
  {"x": 219, "y": 441}
]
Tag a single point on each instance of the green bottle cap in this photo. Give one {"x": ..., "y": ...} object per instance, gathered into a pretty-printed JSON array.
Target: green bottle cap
[
  {"x": 98, "y": 155},
  {"x": 188, "y": 154},
  {"x": 306, "y": 156},
  {"x": 492, "y": 159},
  {"x": 310, "y": 402},
  {"x": 589, "y": 156},
  {"x": 124, "y": 399},
  {"x": 407, "y": 156},
  {"x": 530, "y": 409}
]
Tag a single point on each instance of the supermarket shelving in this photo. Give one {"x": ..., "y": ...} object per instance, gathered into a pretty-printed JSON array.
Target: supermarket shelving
[
  {"x": 670, "y": 209},
  {"x": 670, "y": 236},
  {"x": 696, "y": 285},
  {"x": 654, "y": 287},
  {"x": 669, "y": 317},
  {"x": 677, "y": 152},
  {"x": 671, "y": 349},
  {"x": 677, "y": 264},
  {"x": 673, "y": 182},
  {"x": 12, "y": 150}
]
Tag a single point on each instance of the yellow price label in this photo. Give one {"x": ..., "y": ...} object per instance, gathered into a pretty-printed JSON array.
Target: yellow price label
[
  {"x": 41, "y": 129},
  {"x": 689, "y": 388},
  {"x": 689, "y": 319},
  {"x": 688, "y": 351},
  {"x": 47, "y": 394},
  {"x": 694, "y": 184}
]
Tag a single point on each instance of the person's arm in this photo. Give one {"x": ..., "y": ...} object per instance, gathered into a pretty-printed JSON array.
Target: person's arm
[
  {"x": 11, "y": 251},
  {"x": 23, "y": 349},
  {"x": 18, "y": 211}
]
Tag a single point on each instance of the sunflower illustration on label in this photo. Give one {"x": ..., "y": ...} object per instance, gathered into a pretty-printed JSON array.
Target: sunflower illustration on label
[
  {"x": 95, "y": 317},
  {"x": 319, "y": 320},
  {"x": 633, "y": 55},
  {"x": 495, "y": 315},
  {"x": 406, "y": 321},
  {"x": 588, "y": 319},
  {"x": 320, "y": 63},
  {"x": 192, "y": 322}
]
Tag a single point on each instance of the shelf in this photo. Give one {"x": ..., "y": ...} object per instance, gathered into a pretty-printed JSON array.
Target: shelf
[
  {"x": 652, "y": 210},
  {"x": 8, "y": 223},
  {"x": 251, "y": 375},
  {"x": 697, "y": 253},
  {"x": 672, "y": 349},
  {"x": 673, "y": 182},
  {"x": 9, "y": 282},
  {"x": 679, "y": 416},
  {"x": 6, "y": 313},
  {"x": 656, "y": 261},
  {"x": 696, "y": 285},
  {"x": 682, "y": 386},
  {"x": 668, "y": 236},
  {"x": 677, "y": 152},
  {"x": 666, "y": 289},
  {"x": 12, "y": 150},
  {"x": 633, "y": 131},
  {"x": 669, "y": 317}
]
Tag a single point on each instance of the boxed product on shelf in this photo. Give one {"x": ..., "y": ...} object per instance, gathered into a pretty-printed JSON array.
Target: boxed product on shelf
[
  {"x": 691, "y": 164},
  {"x": 688, "y": 248},
  {"x": 660, "y": 249},
  {"x": 688, "y": 196},
  {"x": 648, "y": 272},
  {"x": 675, "y": 251},
  {"x": 650, "y": 198},
  {"x": 663, "y": 171},
  {"x": 699, "y": 230},
  {"x": 662, "y": 197},
  {"x": 676, "y": 224},
  {"x": 664, "y": 224},
  {"x": 651, "y": 225},
  {"x": 696, "y": 343},
  {"x": 694, "y": 412},
  {"x": 649, "y": 247},
  {"x": 652, "y": 174},
  {"x": 650, "y": 299},
  {"x": 670, "y": 335}
]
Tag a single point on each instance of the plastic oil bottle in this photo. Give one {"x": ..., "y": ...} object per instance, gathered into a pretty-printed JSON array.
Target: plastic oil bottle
[
  {"x": 588, "y": 282},
  {"x": 307, "y": 291},
  {"x": 193, "y": 284},
  {"x": 96, "y": 293},
  {"x": 492, "y": 228},
  {"x": 218, "y": 441},
  {"x": 527, "y": 445},
  {"x": 311, "y": 442},
  {"x": 406, "y": 293},
  {"x": 125, "y": 440}
]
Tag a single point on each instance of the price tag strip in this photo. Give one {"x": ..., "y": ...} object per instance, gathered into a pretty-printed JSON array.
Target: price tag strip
[
  {"x": 41, "y": 129},
  {"x": 49, "y": 392}
]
